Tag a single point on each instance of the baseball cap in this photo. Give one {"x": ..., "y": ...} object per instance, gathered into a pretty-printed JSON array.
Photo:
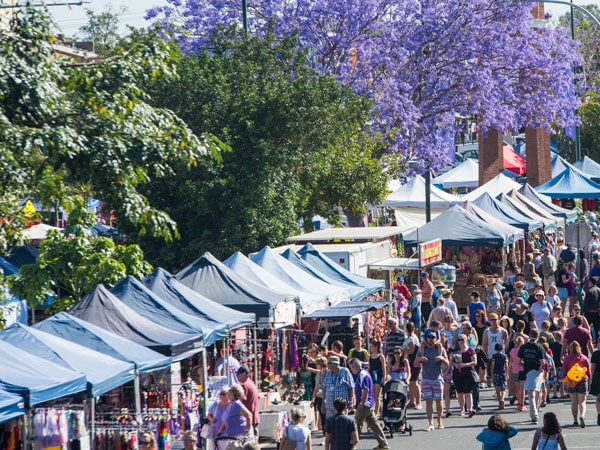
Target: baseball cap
[
  {"x": 540, "y": 292},
  {"x": 547, "y": 249},
  {"x": 475, "y": 294},
  {"x": 429, "y": 332},
  {"x": 424, "y": 274},
  {"x": 520, "y": 302},
  {"x": 400, "y": 279}
]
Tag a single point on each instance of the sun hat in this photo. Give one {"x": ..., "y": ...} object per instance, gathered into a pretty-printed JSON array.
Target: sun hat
[{"x": 333, "y": 360}]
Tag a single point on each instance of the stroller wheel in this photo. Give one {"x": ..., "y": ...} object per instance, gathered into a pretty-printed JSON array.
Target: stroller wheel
[
  {"x": 410, "y": 428},
  {"x": 391, "y": 433}
]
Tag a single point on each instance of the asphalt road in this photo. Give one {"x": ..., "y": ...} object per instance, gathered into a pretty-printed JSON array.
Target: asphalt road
[{"x": 460, "y": 432}]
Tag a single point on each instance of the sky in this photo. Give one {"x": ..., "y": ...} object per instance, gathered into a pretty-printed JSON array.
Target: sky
[{"x": 70, "y": 19}]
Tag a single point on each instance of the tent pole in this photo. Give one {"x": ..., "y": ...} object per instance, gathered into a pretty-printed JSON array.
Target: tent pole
[
  {"x": 255, "y": 344},
  {"x": 226, "y": 356},
  {"x": 92, "y": 421},
  {"x": 205, "y": 381},
  {"x": 138, "y": 397}
]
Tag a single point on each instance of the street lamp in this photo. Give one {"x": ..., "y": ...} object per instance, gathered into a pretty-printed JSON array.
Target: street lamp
[{"x": 245, "y": 15}]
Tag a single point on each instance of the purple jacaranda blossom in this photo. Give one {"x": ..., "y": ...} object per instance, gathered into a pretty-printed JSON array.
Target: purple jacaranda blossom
[{"x": 422, "y": 61}]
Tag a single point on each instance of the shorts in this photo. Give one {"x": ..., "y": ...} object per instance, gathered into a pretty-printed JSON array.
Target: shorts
[
  {"x": 377, "y": 376},
  {"x": 533, "y": 380},
  {"x": 559, "y": 375},
  {"x": 580, "y": 388},
  {"x": 463, "y": 383},
  {"x": 563, "y": 292},
  {"x": 414, "y": 373},
  {"x": 500, "y": 380},
  {"x": 431, "y": 389},
  {"x": 517, "y": 376},
  {"x": 416, "y": 319}
]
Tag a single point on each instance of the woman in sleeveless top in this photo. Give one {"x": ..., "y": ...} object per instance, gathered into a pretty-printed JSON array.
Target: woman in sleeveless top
[
  {"x": 377, "y": 369},
  {"x": 549, "y": 437},
  {"x": 398, "y": 366},
  {"x": 493, "y": 299}
]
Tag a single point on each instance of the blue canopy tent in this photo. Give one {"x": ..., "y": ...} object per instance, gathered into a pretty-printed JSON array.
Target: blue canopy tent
[
  {"x": 589, "y": 166},
  {"x": 102, "y": 308},
  {"x": 326, "y": 265},
  {"x": 36, "y": 379},
  {"x": 11, "y": 406},
  {"x": 570, "y": 215},
  {"x": 518, "y": 233},
  {"x": 93, "y": 337},
  {"x": 103, "y": 372},
  {"x": 458, "y": 227},
  {"x": 293, "y": 275},
  {"x": 7, "y": 268},
  {"x": 570, "y": 184},
  {"x": 166, "y": 287},
  {"x": 356, "y": 292},
  {"x": 138, "y": 297},
  {"x": 346, "y": 309},
  {"x": 213, "y": 279},
  {"x": 507, "y": 214}
]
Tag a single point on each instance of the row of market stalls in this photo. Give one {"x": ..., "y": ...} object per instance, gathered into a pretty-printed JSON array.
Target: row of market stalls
[{"x": 142, "y": 354}]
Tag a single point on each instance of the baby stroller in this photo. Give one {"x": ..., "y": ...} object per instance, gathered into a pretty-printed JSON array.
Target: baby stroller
[{"x": 395, "y": 399}]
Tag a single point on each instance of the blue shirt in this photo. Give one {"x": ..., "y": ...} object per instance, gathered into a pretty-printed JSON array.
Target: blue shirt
[
  {"x": 336, "y": 386},
  {"x": 363, "y": 380},
  {"x": 235, "y": 423}
]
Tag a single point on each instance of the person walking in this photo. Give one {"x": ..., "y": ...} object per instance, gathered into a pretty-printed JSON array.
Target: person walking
[
  {"x": 340, "y": 430},
  {"x": 411, "y": 350},
  {"x": 499, "y": 370},
  {"x": 464, "y": 361},
  {"x": 577, "y": 389},
  {"x": 337, "y": 383},
  {"x": 297, "y": 432},
  {"x": 365, "y": 401},
  {"x": 216, "y": 414},
  {"x": 532, "y": 358},
  {"x": 250, "y": 397},
  {"x": 549, "y": 266},
  {"x": 427, "y": 291},
  {"x": 549, "y": 437},
  {"x": 395, "y": 337},
  {"x": 497, "y": 433},
  {"x": 377, "y": 369},
  {"x": 432, "y": 360},
  {"x": 595, "y": 384},
  {"x": 591, "y": 306}
]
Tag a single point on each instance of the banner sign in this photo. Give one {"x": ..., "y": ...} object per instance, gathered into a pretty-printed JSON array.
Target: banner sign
[{"x": 430, "y": 252}]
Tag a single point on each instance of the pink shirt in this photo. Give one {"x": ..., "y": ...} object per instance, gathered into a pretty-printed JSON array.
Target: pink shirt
[
  {"x": 515, "y": 361},
  {"x": 250, "y": 399}
]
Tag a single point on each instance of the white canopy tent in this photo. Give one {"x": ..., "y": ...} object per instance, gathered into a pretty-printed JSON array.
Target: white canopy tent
[
  {"x": 466, "y": 174},
  {"x": 500, "y": 184},
  {"x": 412, "y": 195}
]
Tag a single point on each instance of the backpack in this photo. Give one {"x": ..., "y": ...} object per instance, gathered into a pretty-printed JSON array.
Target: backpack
[{"x": 575, "y": 375}]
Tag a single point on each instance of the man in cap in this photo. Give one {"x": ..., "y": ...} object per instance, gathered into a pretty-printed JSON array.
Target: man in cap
[
  {"x": 432, "y": 359},
  {"x": 401, "y": 287},
  {"x": 531, "y": 355},
  {"x": 521, "y": 312},
  {"x": 337, "y": 383},
  {"x": 427, "y": 291},
  {"x": 250, "y": 397},
  {"x": 549, "y": 266},
  {"x": 450, "y": 304},
  {"x": 365, "y": 400},
  {"x": 437, "y": 293}
]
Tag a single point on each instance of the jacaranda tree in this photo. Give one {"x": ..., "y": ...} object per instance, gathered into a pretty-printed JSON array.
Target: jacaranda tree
[{"x": 422, "y": 61}]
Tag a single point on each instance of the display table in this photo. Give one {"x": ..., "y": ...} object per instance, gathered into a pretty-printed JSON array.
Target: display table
[
  {"x": 271, "y": 424},
  {"x": 309, "y": 412}
]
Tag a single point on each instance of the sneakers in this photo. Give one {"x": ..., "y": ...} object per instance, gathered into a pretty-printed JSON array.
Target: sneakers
[
  {"x": 418, "y": 406},
  {"x": 598, "y": 419},
  {"x": 513, "y": 400},
  {"x": 477, "y": 408},
  {"x": 471, "y": 413},
  {"x": 448, "y": 414},
  {"x": 575, "y": 424},
  {"x": 581, "y": 422},
  {"x": 463, "y": 413},
  {"x": 534, "y": 421},
  {"x": 501, "y": 404},
  {"x": 543, "y": 404},
  {"x": 522, "y": 408}
]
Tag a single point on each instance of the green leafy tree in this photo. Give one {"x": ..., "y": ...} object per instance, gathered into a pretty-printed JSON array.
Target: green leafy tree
[
  {"x": 69, "y": 126},
  {"x": 298, "y": 140},
  {"x": 69, "y": 266},
  {"x": 102, "y": 28}
]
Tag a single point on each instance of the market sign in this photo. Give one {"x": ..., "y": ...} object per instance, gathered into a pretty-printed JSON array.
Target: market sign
[{"x": 430, "y": 252}]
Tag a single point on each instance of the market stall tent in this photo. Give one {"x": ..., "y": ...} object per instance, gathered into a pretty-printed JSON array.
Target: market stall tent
[
  {"x": 412, "y": 194},
  {"x": 496, "y": 186},
  {"x": 543, "y": 201},
  {"x": 103, "y": 372},
  {"x": 225, "y": 319},
  {"x": 290, "y": 274},
  {"x": 517, "y": 206},
  {"x": 326, "y": 265},
  {"x": 494, "y": 221},
  {"x": 570, "y": 184},
  {"x": 137, "y": 296},
  {"x": 93, "y": 337},
  {"x": 589, "y": 166},
  {"x": 506, "y": 213},
  {"x": 11, "y": 406},
  {"x": 458, "y": 227},
  {"x": 36, "y": 379},
  {"x": 356, "y": 292},
  {"x": 213, "y": 279},
  {"x": 530, "y": 207},
  {"x": 102, "y": 308},
  {"x": 558, "y": 164},
  {"x": 345, "y": 310},
  {"x": 513, "y": 161},
  {"x": 466, "y": 174}
]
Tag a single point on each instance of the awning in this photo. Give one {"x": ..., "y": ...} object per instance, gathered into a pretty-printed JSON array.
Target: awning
[
  {"x": 395, "y": 263},
  {"x": 346, "y": 309}
]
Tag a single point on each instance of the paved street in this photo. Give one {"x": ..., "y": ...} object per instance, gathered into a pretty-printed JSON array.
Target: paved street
[{"x": 460, "y": 432}]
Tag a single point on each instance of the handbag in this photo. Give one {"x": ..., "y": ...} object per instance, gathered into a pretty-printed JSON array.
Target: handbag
[
  {"x": 287, "y": 443},
  {"x": 207, "y": 431}
]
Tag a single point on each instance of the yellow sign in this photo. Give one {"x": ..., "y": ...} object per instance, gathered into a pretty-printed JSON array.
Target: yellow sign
[
  {"x": 29, "y": 209},
  {"x": 430, "y": 252}
]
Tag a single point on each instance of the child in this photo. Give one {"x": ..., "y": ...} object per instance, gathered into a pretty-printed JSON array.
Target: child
[
  {"x": 497, "y": 434},
  {"x": 549, "y": 373},
  {"x": 500, "y": 369},
  {"x": 556, "y": 348},
  {"x": 518, "y": 372}
]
